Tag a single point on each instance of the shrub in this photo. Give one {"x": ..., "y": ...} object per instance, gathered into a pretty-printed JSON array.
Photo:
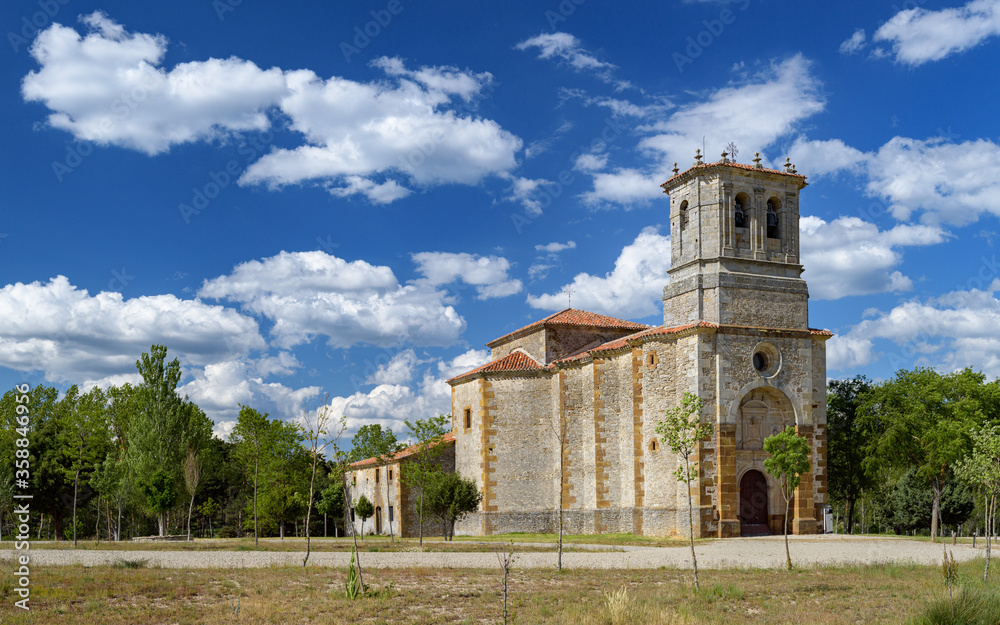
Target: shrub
[
  {"x": 227, "y": 531},
  {"x": 974, "y": 605}
]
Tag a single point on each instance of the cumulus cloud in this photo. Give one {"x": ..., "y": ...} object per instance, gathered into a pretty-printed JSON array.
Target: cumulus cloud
[
  {"x": 555, "y": 247},
  {"x": 399, "y": 369},
  {"x": 758, "y": 113},
  {"x": 307, "y": 294},
  {"x": 108, "y": 87},
  {"x": 633, "y": 289},
  {"x": 374, "y": 139},
  {"x": 76, "y": 337},
  {"x": 952, "y": 183},
  {"x": 487, "y": 273},
  {"x": 822, "y": 158},
  {"x": 949, "y": 332},
  {"x": 919, "y": 36},
  {"x": 849, "y": 256},
  {"x": 404, "y": 128}
]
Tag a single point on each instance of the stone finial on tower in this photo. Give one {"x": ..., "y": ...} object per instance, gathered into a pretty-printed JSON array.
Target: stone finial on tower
[
  {"x": 697, "y": 157},
  {"x": 756, "y": 161},
  {"x": 676, "y": 170},
  {"x": 788, "y": 164},
  {"x": 724, "y": 155}
]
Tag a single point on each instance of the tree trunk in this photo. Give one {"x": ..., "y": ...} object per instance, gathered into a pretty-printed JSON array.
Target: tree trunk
[
  {"x": 97, "y": 526},
  {"x": 421, "y": 519},
  {"x": 349, "y": 523},
  {"x": 788, "y": 555},
  {"x": 990, "y": 511},
  {"x": 281, "y": 529},
  {"x": 694, "y": 559},
  {"x": 76, "y": 485},
  {"x": 936, "y": 509},
  {"x": 190, "y": 509},
  {"x": 162, "y": 522},
  {"x": 850, "y": 515},
  {"x": 256, "y": 472}
]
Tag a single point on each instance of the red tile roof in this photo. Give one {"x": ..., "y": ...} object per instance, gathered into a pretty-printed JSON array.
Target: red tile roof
[
  {"x": 571, "y": 317},
  {"x": 399, "y": 455},
  {"x": 514, "y": 361},
  {"x": 821, "y": 332}
]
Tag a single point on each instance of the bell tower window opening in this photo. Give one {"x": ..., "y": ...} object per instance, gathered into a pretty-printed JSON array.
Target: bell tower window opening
[
  {"x": 773, "y": 231},
  {"x": 684, "y": 214},
  {"x": 740, "y": 211}
]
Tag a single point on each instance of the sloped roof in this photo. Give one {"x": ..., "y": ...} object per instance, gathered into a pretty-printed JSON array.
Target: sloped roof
[
  {"x": 514, "y": 361},
  {"x": 571, "y": 317},
  {"x": 399, "y": 455},
  {"x": 744, "y": 166},
  {"x": 625, "y": 341}
]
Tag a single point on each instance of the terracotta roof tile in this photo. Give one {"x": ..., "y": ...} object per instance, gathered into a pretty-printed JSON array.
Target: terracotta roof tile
[
  {"x": 821, "y": 332},
  {"x": 572, "y": 317},
  {"x": 399, "y": 455},
  {"x": 514, "y": 361}
]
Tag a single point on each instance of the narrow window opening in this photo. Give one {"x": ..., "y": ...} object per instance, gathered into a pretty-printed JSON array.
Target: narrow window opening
[
  {"x": 391, "y": 517},
  {"x": 354, "y": 479},
  {"x": 684, "y": 214},
  {"x": 654, "y": 445},
  {"x": 376, "y": 475},
  {"x": 468, "y": 418},
  {"x": 390, "y": 475},
  {"x": 772, "y": 221}
]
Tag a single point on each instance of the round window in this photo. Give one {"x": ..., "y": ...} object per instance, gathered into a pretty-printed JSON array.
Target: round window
[{"x": 766, "y": 360}]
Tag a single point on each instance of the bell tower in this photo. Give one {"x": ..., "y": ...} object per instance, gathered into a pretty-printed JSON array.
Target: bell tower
[{"x": 734, "y": 246}]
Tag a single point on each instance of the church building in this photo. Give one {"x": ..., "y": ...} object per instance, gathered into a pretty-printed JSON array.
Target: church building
[{"x": 564, "y": 414}]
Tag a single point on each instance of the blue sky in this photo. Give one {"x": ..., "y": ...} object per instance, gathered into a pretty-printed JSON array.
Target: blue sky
[{"x": 345, "y": 201}]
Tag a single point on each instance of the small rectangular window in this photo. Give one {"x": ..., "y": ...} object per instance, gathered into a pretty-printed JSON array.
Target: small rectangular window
[
  {"x": 354, "y": 479},
  {"x": 468, "y": 418},
  {"x": 390, "y": 514},
  {"x": 376, "y": 475},
  {"x": 390, "y": 475}
]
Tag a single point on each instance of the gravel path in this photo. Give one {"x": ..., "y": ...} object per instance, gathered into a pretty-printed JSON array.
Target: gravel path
[{"x": 720, "y": 554}]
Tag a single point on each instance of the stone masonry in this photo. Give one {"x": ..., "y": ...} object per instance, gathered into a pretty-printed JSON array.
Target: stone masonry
[{"x": 564, "y": 414}]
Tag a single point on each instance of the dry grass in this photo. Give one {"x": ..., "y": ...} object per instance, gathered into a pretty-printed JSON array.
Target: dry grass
[
  {"x": 75, "y": 595},
  {"x": 343, "y": 545}
]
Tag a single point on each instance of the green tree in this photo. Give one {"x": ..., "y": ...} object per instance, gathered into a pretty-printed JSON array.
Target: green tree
[
  {"x": 921, "y": 419},
  {"x": 331, "y": 503},
  {"x": 450, "y": 497},
  {"x": 157, "y": 430},
  {"x": 682, "y": 430},
  {"x": 316, "y": 431},
  {"x": 208, "y": 509},
  {"x": 84, "y": 431},
  {"x": 285, "y": 469},
  {"x": 364, "y": 509},
  {"x": 160, "y": 493},
  {"x": 847, "y": 475},
  {"x": 192, "y": 478},
  {"x": 50, "y": 487},
  {"x": 252, "y": 438},
  {"x": 788, "y": 461},
  {"x": 424, "y": 464},
  {"x": 982, "y": 470}
]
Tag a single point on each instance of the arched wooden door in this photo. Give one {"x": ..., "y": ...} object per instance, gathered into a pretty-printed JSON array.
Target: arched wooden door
[
  {"x": 753, "y": 504},
  {"x": 378, "y": 521}
]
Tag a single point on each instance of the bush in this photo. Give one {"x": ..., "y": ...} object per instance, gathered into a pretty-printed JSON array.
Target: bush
[
  {"x": 227, "y": 531},
  {"x": 974, "y": 605}
]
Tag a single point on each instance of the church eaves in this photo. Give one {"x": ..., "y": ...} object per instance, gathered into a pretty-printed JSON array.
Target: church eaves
[{"x": 570, "y": 317}]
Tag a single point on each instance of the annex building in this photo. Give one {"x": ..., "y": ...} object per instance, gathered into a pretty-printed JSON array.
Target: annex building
[{"x": 735, "y": 332}]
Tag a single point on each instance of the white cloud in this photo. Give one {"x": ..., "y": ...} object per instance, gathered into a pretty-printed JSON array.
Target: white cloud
[
  {"x": 487, "y": 274},
  {"x": 531, "y": 194},
  {"x": 754, "y": 115},
  {"x": 950, "y": 332},
  {"x": 951, "y": 183},
  {"x": 591, "y": 162},
  {"x": 370, "y": 139},
  {"x": 107, "y": 87},
  {"x": 567, "y": 48},
  {"x": 919, "y": 36},
  {"x": 538, "y": 271},
  {"x": 555, "y": 247},
  {"x": 849, "y": 256},
  {"x": 399, "y": 370},
  {"x": 633, "y": 289},
  {"x": 76, "y": 337},
  {"x": 284, "y": 363},
  {"x": 821, "y": 158},
  {"x": 307, "y": 294},
  {"x": 855, "y": 43},
  {"x": 404, "y": 128}
]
